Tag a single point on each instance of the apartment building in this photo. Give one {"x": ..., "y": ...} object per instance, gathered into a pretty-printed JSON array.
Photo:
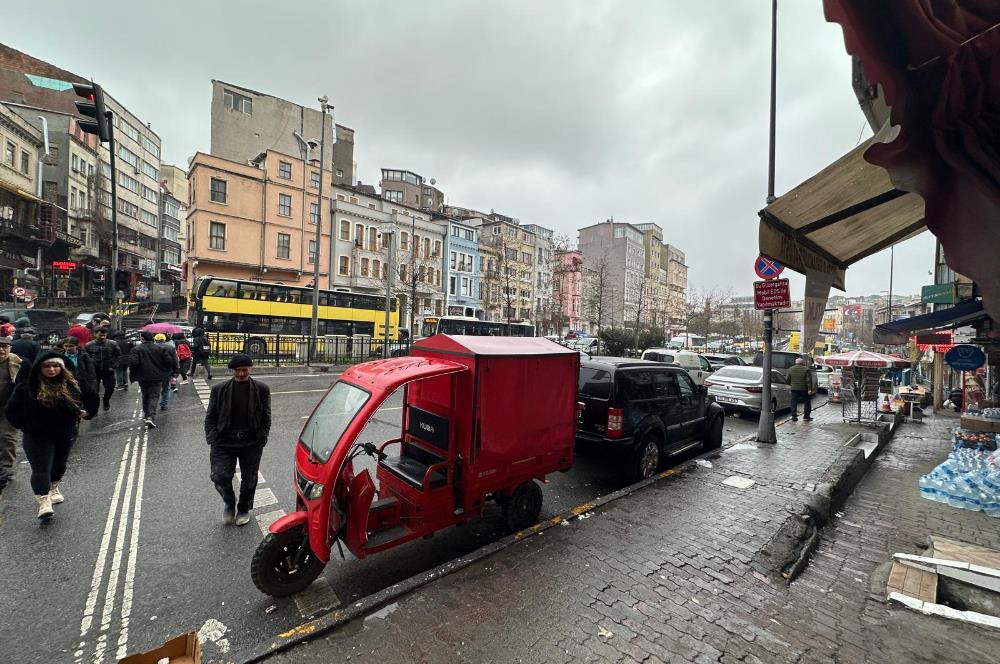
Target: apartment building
[
  {"x": 462, "y": 268},
  {"x": 544, "y": 315},
  {"x": 653, "y": 303},
  {"x": 247, "y": 123},
  {"x": 409, "y": 188},
  {"x": 614, "y": 260},
  {"x": 257, "y": 220},
  {"x": 173, "y": 212},
  {"x": 672, "y": 261},
  {"x": 507, "y": 252},
  {"x": 567, "y": 291}
]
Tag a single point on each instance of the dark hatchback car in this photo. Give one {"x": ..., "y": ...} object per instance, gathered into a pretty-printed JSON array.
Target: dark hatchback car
[{"x": 649, "y": 410}]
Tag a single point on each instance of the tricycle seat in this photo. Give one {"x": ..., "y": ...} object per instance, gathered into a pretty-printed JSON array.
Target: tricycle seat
[{"x": 412, "y": 465}]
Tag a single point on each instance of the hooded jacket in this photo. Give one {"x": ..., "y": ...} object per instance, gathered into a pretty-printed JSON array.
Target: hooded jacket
[
  {"x": 125, "y": 346},
  {"x": 28, "y": 414}
]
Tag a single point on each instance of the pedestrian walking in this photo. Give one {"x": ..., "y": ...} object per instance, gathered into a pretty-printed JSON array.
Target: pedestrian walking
[
  {"x": 47, "y": 409},
  {"x": 81, "y": 366},
  {"x": 25, "y": 346},
  {"x": 105, "y": 355},
  {"x": 201, "y": 349},
  {"x": 125, "y": 346},
  {"x": 7, "y": 328},
  {"x": 237, "y": 424},
  {"x": 80, "y": 332},
  {"x": 803, "y": 383},
  {"x": 183, "y": 349},
  {"x": 169, "y": 383},
  {"x": 149, "y": 365},
  {"x": 13, "y": 371}
]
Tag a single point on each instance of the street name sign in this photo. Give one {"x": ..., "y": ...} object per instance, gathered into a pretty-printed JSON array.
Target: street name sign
[
  {"x": 767, "y": 268},
  {"x": 773, "y": 294}
]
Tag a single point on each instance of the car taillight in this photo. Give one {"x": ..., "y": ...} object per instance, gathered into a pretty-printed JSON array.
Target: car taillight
[
  {"x": 615, "y": 422},
  {"x": 755, "y": 389},
  {"x": 707, "y": 383}
]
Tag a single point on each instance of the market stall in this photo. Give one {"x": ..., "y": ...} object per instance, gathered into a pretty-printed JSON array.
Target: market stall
[{"x": 860, "y": 381}]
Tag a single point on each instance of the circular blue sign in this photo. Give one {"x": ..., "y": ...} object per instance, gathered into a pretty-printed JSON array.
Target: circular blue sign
[
  {"x": 767, "y": 268},
  {"x": 965, "y": 357}
]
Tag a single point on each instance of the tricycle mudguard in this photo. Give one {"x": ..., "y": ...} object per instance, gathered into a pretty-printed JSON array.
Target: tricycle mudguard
[{"x": 289, "y": 521}]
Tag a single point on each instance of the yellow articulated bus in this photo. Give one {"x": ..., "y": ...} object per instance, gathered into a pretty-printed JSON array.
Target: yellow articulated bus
[{"x": 261, "y": 318}]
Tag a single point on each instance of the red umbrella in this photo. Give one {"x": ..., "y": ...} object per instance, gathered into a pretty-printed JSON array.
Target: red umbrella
[{"x": 865, "y": 359}]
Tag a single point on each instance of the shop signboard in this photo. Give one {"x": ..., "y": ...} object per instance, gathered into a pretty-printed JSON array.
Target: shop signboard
[
  {"x": 965, "y": 357},
  {"x": 939, "y": 294}
]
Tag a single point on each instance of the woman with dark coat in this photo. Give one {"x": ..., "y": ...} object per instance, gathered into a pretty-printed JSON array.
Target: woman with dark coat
[{"x": 47, "y": 409}]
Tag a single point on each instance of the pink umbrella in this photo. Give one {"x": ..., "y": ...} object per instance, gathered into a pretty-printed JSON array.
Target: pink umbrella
[
  {"x": 865, "y": 359},
  {"x": 165, "y": 328}
]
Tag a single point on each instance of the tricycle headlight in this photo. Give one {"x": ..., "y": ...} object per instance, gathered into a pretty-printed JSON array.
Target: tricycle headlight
[{"x": 315, "y": 491}]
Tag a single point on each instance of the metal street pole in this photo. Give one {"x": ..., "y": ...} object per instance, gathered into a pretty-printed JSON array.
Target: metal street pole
[
  {"x": 314, "y": 328},
  {"x": 388, "y": 288},
  {"x": 765, "y": 428},
  {"x": 110, "y": 283}
]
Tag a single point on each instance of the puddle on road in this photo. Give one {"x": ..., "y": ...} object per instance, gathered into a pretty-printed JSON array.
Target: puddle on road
[{"x": 741, "y": 446}]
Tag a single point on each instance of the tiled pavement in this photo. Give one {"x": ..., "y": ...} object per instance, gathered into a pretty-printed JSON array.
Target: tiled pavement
[{"x": 667, "y": 574}]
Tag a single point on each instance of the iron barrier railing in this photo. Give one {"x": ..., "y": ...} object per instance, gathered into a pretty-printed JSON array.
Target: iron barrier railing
[{"x": 279, "y": 349}]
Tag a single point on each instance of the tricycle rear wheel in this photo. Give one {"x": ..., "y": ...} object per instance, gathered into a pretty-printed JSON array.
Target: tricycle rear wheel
[
  {"x": 521, "y": 510},
  {"x": 283, "y": 563}
]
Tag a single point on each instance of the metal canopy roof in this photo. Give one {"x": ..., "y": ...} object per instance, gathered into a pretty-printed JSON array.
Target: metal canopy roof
[{"x": 844, "y": 213}]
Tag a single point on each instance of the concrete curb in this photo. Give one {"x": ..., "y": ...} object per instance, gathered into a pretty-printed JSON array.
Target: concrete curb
[{"x": 334, "y": 619}]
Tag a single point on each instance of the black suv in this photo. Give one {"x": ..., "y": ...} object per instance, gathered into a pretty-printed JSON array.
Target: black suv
[
  {"x": 50, "y": 324},
  {"x": 648, "y": 409}
]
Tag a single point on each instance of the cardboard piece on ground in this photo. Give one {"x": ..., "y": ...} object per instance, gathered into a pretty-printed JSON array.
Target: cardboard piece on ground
[
  {"x": 949, "y": 549},
  {"x": 183, "y": 649}
]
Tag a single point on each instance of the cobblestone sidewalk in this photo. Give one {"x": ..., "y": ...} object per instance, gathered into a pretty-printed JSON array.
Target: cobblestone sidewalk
[{"x": 667, "y": 574}]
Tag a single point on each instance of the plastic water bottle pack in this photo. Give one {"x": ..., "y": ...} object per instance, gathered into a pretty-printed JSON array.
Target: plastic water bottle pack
[{"x": 968, "y": 479}]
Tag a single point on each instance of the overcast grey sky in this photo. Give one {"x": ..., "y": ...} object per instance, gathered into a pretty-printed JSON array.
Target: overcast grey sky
[{"x": 558, "y": 113}]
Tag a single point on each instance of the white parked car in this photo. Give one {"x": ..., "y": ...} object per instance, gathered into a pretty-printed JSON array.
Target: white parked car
[
  {"x": 823, "y": 375},
  {"x": 741, "y": 388},
  {"x": 696, "y": 365}
]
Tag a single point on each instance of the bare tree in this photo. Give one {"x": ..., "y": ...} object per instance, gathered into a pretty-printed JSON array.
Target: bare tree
[{"x": 597, "y": 277}]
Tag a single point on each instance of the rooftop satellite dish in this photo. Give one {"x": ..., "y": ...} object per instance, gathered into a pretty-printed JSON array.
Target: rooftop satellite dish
[{"x": 433, "y": 182}]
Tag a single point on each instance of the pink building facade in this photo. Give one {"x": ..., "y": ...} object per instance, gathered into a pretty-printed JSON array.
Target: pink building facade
[{"x": 568, "y": 289}]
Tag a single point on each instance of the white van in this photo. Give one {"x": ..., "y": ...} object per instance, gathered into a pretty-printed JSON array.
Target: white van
[{"x": 697, "y": 366}]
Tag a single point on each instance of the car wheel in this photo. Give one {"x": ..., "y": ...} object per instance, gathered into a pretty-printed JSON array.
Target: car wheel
[
  {"x": 713, "y": 435},
  {"x": 283, "y": 564},
  {"x": 53, "y": 338},
  {"x": 255, "y": 347},
  {"x": 521, "y": 510},
  {"x": 646, "y": 461}
]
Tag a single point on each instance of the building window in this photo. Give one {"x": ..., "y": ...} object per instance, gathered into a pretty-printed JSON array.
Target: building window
[
  {"x": 284, "y": 245},
  {"x": 129, "y": 157},
  {"x": 25, "y": 162},
  {"x": 430, "y": 276},
  {"x": 393, "y": 196},
  {"x": 149, "y": 194},
  {"x": 340, "y": 197},
  {"x": 314, "y": 179},
  {"x": 312, "y": 251},
  {"x": 314, "y": 213},
  {"x": 402, "y": 272},
  {"x": 128, "y": 182},
  {"x": 284, "y": 170},
  {"x": 451, "y": 285},
  {"x": 218, "y": 190},
  {"x": 237, "y": 102},
  {"x": 128, "y": 209},
  {"x": 284, "y": 205},
  {"x": 359, "y": 234},
  {"x": 340, "y": 173},
  {"x": 9, "y": 152},
  {"x": 147, "y": 217},
  {"x": 404, "y": 241},
  {"x": 465, "y": 287},
  {"x": 372, "y": 239},
  {"x": 128, "y": 130},
  {"x": 376, "y": 268},
  {"x": 344, "y": 266},
  {"x": 345, "y": 229},
  {"x": 217, "y": 235},
  {"x": 364, "y": 267},
  {"x": 150, "y": 170},
  {"x": 151, "y": 147},
  {"x": 386, "y": 239}
]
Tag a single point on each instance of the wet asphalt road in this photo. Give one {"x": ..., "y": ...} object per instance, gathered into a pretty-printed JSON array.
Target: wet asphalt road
[{"x": 138, "y": 553}]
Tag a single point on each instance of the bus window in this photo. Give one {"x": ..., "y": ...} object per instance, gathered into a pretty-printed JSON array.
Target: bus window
[
  {"x": 249, "y": 291},
  {"x": 364, "y": 328},
  {"x": 219, "y": 288}
]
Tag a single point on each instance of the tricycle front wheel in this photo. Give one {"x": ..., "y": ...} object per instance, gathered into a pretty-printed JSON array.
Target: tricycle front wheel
[
  {"x": 283, "y": 563},
  {"x": 523, "y": 507}
]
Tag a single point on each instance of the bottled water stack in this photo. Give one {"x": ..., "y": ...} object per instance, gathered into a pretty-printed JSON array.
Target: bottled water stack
[{"x": 968, "y": 479}]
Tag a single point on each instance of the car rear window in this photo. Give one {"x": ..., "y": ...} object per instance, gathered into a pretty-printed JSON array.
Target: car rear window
[
  {"x": 742, "y": 373},
  {"x": 595, "y": 383},
  {"x": 781, "y": 360},
  {"x": 659, "y": 357}
]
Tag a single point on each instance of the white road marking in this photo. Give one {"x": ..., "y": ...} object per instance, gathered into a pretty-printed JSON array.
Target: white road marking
[
  {"x": 238, "y": 476},
  {"x": 265, "y": 520},
  {"x": 264, "y": 497},
  {"x": 213, "y": 631},
  {"x": 319, "y": 595},
  {"x": 133, "y": 552}
]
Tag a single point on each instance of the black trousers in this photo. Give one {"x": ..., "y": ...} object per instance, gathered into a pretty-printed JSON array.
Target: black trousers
[
  {"x": 47, "y": 457},
  {"x": 223, "y": 459},
  {"x": 107, "y": 379},
  {"x": 803, "y": 397},
  {"x": 203, "y": 361},
  {"x": 150, "y": 397}
]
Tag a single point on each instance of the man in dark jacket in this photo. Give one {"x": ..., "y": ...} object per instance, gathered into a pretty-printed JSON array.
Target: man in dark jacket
[
  {"x": 105, "y": 354},
  {"x": 237, "y": 424},
  {"x": 149, "y": 365},
  {"x": 803, "y": 383},
  {"x": 25, "y": 345},
  {"x": 125, "y": 346}
]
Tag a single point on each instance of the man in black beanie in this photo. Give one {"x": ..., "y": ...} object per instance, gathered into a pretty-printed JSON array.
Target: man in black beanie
[{"x": 236, "y": 426}]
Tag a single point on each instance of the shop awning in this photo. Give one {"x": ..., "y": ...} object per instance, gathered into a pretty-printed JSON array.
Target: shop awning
[
  {"x": 898, "y": 332},
  {"x": 844, "y": 213},
  {"x": 26, "y": 195}
]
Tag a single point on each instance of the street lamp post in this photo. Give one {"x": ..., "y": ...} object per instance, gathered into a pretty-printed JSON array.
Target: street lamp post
[
  {"x": 388, "y": 288},
  {"x": 314, "y": 328}
]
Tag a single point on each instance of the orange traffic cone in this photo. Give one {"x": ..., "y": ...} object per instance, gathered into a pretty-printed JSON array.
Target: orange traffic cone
[{"x": 885, "y": 407}]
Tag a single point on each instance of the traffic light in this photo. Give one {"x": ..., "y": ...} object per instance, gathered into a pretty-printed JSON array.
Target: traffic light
[
  {"x": 93, "y": 108},
  {"x": 121, "y": 280}
]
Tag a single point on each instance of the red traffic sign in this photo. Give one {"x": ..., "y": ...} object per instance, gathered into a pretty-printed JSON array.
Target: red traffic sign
[
  {"x": 19, "y": 291},
  {"x": 772, "y": 294},
  {"x": 767, "y": 268}
]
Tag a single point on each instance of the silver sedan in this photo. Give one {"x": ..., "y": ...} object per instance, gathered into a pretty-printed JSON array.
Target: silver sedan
[{"x": 740, "y": 388}]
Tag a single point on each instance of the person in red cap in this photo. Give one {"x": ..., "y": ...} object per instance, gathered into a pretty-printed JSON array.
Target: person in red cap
[{"x": 237, "y": 424}]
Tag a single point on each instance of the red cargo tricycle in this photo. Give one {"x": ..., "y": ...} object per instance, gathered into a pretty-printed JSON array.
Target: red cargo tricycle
[{"x": 483, "y": 418}]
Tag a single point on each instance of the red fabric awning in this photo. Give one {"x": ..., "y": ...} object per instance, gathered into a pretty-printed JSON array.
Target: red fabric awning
[{"x": 938, "y": 64}]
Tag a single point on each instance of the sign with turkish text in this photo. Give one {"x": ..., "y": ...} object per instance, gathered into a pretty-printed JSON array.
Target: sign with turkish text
[
  {"x": 773, "y": 294},
  {"x": 767, "y": 268},
  {"x": 63, "y": 266},
  {"x": 965, "y": 357},
  {"x": 939, "y": 294}
]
